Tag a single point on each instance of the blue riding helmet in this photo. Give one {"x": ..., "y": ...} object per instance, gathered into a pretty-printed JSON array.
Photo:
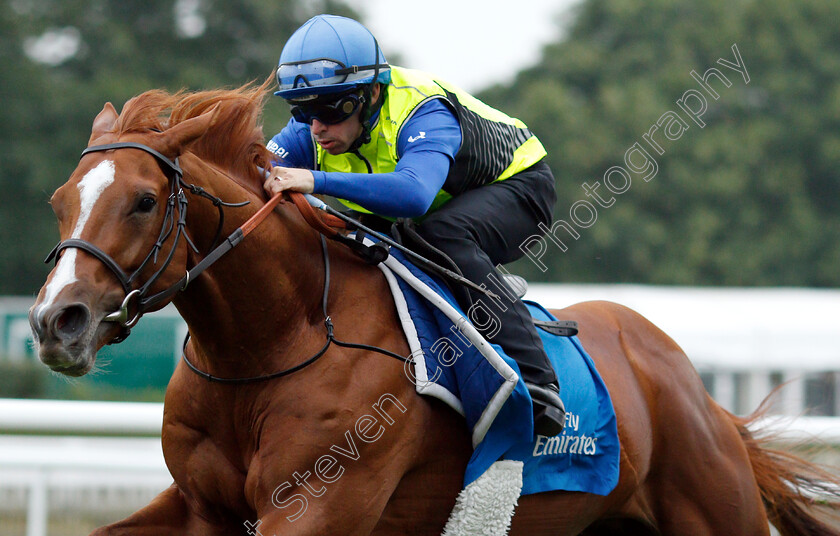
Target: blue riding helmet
[{"x": 329, "y": 54}]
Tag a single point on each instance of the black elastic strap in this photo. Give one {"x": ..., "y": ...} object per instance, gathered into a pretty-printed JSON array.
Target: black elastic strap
[
  {"x": 356, "y": 68},
  {"x": 330, "y": 339}
]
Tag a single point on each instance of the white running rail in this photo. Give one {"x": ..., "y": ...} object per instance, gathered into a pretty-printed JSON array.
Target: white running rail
[{"x": 47, "y": 446}]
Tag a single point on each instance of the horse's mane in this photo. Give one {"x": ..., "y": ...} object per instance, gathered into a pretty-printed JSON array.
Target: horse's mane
[{"x": 234, "y": 143}]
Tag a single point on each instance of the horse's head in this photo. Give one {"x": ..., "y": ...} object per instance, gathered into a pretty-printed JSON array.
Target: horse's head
[{"x": 117, "y": 217}]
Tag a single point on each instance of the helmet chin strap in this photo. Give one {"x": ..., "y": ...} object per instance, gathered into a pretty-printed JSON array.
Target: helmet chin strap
[
  {"x": 368, "y": 110},
  {"x": 364, "y": 116}
]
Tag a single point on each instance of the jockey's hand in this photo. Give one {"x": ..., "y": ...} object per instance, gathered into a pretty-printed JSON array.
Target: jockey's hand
[{"x": 284, "y": 178}]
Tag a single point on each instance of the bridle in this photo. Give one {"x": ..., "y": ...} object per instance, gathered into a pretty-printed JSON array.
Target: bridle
[
  {"x": 138, "y": 301},
  {"x": 141, "y": 302}
]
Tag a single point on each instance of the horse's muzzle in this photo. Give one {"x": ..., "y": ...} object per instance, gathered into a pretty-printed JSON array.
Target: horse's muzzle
[{"x": 62, "y": 335}]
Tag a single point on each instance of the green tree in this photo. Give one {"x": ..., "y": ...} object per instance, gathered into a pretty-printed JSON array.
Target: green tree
[
  {"x": 751, "y": 198},
  {"x": 62, "y": 60}
]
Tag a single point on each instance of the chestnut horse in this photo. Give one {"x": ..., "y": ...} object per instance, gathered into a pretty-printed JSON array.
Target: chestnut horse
[{"x": 287, "y": 455}]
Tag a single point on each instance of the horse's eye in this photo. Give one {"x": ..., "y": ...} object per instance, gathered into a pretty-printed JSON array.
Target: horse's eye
[{"x": 146, "y": 204}]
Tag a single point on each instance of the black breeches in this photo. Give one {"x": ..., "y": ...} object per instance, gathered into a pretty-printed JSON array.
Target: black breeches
[{"x": 485, "y": 227}]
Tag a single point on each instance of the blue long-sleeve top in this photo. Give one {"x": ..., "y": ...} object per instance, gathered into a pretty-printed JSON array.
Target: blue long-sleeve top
[{"x": 426, "y": 148}]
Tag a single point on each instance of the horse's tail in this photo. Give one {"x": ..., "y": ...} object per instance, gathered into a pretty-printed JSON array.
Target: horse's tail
[{"x": 792, "y": 488}]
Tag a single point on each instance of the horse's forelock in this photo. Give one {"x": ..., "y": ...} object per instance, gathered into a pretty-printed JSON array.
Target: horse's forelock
[
  {"x": 149, "y": 110},
  {"x": 235, "y": 141}
]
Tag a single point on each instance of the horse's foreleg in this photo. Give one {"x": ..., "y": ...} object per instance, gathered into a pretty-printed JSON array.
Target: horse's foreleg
[{"x": 167, "y": 515}]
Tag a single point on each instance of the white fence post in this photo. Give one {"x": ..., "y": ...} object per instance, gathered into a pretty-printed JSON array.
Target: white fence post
[{"x": 37, "y": 514}]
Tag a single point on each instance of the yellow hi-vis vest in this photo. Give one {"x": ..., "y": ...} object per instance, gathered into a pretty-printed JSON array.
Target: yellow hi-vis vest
[{"x": 494, "y": 146}]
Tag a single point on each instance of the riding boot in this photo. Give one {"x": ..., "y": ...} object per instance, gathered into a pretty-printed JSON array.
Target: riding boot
[
  {"x": 518, "y": 337},
  {"x": 481, "y": 228},
  {"x": 549, "y": 410}
]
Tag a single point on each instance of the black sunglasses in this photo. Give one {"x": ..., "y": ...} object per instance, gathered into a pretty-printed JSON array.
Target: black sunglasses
[{"x": 328, "y": 113}]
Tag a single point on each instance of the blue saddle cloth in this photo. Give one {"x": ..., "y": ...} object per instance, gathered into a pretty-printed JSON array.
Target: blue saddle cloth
[
  {"x": 482, "y": 383},
  {"x": 585, "y": 457}
]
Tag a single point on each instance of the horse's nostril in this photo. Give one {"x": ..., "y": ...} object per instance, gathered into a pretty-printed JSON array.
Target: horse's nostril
[
  {"x": 37, "y": 324},
  {"x": 71, "y": 322}
]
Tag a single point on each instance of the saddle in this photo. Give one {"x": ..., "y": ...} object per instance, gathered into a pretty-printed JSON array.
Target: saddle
[{"x": 403, "y": 233}]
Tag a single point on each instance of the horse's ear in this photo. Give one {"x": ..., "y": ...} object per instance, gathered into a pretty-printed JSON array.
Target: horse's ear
[
  {"x": 175, "y": 138},
  {"x": 104, "y": 122}
]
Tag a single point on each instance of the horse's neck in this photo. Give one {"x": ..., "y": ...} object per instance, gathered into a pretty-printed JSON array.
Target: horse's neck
[{"x": 262, "y": 295}]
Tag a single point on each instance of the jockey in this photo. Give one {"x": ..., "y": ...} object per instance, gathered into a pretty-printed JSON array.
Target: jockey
[{"x": 400, "y": 143}]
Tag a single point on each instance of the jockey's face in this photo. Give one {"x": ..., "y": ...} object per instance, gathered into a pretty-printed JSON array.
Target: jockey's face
[{"x": 338, "y": 137}]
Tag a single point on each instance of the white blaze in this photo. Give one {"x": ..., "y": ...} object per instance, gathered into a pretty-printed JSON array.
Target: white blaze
[{"x": 90, "y": 188}]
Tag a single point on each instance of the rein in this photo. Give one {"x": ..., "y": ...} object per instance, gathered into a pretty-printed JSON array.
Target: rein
[{"x": 138, "y": 301}]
